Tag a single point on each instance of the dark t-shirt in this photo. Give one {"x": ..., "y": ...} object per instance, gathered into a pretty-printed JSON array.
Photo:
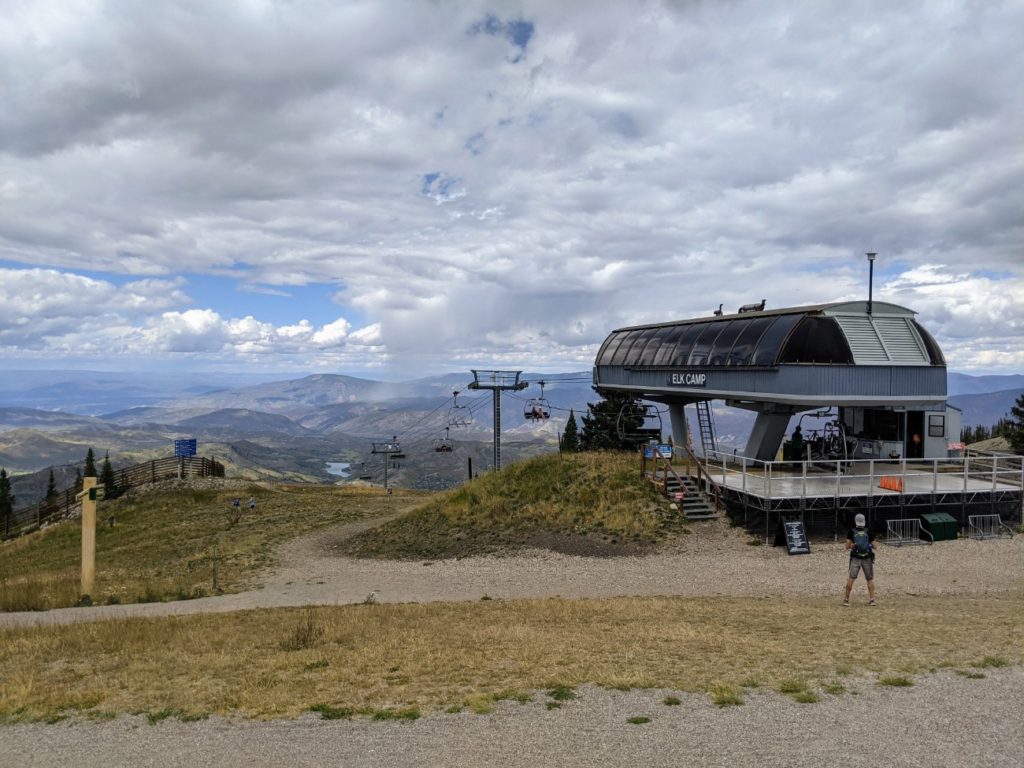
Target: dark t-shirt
[{"x": 871, "y": 538}]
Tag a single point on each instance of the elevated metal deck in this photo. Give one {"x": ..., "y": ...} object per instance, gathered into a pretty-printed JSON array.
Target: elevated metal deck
[{"x": 828, "y": 494}]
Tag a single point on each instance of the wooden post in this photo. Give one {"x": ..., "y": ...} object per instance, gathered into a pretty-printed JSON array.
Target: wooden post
[{"x": 88, "y": 496}]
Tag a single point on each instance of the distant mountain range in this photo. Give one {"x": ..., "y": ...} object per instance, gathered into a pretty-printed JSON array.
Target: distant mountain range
[
  {"x": 985, "y": 409},
  {"x": 290, "y": 429},
  {"x": 962, "y": 384}
]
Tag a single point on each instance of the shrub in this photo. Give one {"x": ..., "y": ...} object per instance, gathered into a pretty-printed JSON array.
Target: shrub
[
  {"x": 792, "y": 686},
  {"x": 561, "y": 693},
  {"x": 992, "y": 661},
  {"x": 327, "y": 712},
  {"x": 896, "y": 681},
  {"x": 726, "y": 696},
  {"x": 306, "y": 634},
  {"x": 806, "y": 697}
]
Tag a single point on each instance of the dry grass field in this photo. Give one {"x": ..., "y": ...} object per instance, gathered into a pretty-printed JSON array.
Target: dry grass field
[{"x": 400, "y": 660}]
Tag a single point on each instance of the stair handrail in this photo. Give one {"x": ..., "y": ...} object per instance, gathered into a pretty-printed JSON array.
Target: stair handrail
[
  {"x": 704, "y": 474},
  {"x": 669, "y": 469}
]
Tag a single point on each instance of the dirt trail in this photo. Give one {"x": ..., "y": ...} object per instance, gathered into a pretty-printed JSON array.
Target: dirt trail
[{"x": 715, "y": 560}]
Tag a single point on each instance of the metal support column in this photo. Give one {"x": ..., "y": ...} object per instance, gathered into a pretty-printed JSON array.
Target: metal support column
[
  {"x": 498, "y": 382},
  {"x": 496, "y": 394}
]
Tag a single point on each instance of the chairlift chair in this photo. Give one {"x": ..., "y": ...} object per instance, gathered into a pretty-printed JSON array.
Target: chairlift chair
[
  {"x": 537, "y": 408},
  {"x": 443, "y": 444},
  {"x": 459, "y": 415},
  {"x": 639, "y": 422}
]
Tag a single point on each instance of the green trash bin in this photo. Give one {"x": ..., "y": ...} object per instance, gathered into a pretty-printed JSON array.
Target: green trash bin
[{"x": 941, "y": 526}]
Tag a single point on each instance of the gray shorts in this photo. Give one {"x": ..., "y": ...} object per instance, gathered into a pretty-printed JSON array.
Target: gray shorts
[{"x": 867, "y": 564}]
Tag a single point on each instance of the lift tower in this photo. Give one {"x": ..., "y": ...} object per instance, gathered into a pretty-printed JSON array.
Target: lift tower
[
  {"x": 389, "y": 450},
  {"x": 498, "y": 382}
]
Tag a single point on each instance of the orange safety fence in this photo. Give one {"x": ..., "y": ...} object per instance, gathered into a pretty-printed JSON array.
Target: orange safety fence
[{"x": 891, "y": 483}]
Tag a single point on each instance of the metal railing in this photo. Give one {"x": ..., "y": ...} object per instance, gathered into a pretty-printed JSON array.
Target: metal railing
[
  {"x": 703, "y": 476},
  {"x": 864, "y": 476}
]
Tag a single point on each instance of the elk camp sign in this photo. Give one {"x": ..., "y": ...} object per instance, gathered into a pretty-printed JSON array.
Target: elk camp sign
[{"x": 688, "y": 379}]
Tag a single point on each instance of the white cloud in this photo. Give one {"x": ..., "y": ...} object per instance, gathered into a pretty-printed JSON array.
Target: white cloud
[
  {"x": 477, "y": 198},
  {"x": 332, "y": 334}
]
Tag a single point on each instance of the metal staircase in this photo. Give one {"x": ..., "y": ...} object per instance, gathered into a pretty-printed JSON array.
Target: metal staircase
[
  {"x": 706, "y": 426},
  {"x": 694, "y": 504}
]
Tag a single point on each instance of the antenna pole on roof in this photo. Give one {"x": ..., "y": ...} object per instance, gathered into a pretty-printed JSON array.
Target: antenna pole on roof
[{"x": 871, "y": 276}]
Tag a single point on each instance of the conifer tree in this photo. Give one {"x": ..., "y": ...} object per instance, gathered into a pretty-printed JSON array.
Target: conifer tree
[
  {"x": 6, "y": 501},
  {"x": 107, "y": 479},
  {"x": 571, "y": 436},
  {"x": 1015, "y": 434},
  {"x": 90, "y": 464},
  {"x": 601, "y": 426},
  {"x": 51, "y": 486}
]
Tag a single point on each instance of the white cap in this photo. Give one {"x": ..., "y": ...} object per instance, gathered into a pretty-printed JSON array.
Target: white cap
[{"x": 859, "y": 521}]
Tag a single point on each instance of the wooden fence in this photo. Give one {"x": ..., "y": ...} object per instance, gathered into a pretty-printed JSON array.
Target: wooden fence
[{"x": 33, "y": 517}]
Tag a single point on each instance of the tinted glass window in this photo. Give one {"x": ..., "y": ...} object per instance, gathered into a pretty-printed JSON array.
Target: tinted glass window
[
  {"x": 669, "y": 341},
  {"x": 743, "y": 349},
  {"x": 604, "y": 355},
  {"x": 661, "y": 342},
  {"x": 652, "y": 341},
  {"x": 816, "y": 340},
  {"x": 623, "y": 350},
  {"x": 723, "y": 344},
  {"x": 934, "y": 352},
  {"x": 768, "y": 346},
  {"x": 684, "y": 343},
  {"x": 702, "y": 346}
]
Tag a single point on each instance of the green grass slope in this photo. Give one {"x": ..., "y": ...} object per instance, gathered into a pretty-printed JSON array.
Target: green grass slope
[
  {"x": 168, "y": 542},
  {"x": 588, "y": 503}
]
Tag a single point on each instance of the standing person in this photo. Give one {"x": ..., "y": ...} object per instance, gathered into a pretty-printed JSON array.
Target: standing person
[
  {"x": 252, "y": 504},
  {"x": 861, "y": 543},
  {"x": 797, "y": 444}
]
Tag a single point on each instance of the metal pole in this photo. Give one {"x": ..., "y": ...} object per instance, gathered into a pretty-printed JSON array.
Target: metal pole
[
  {"x": 387, "y": 457},
  {"x": 497, "y": 429},
  {"x": 871, "y": 277}
]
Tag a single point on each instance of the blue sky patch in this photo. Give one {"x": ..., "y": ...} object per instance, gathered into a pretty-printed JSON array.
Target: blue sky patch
[
  {"x": 277, "y": 304},
  {"x": 475, "y": 143},
  {"x": 517, "y": 32},
  {"x": 441, "y": 187}
]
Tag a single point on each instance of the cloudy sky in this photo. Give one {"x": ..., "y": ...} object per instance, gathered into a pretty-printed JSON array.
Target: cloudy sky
[{"x": 396, "y": 189}]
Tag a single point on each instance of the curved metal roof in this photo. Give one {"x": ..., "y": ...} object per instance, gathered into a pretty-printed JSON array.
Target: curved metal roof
[{"x": 841, "y": 333}]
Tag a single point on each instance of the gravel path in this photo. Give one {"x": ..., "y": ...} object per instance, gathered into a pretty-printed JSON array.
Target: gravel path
[
  {"x": 937, "y": 723},
  {"x": 716, "y": 560}
]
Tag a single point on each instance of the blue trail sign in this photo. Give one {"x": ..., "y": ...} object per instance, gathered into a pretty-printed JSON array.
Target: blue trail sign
[{"x": 185, "y": 447}]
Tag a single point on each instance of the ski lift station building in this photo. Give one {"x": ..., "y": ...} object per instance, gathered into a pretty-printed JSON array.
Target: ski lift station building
[{"x": 873, "y": 362}]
